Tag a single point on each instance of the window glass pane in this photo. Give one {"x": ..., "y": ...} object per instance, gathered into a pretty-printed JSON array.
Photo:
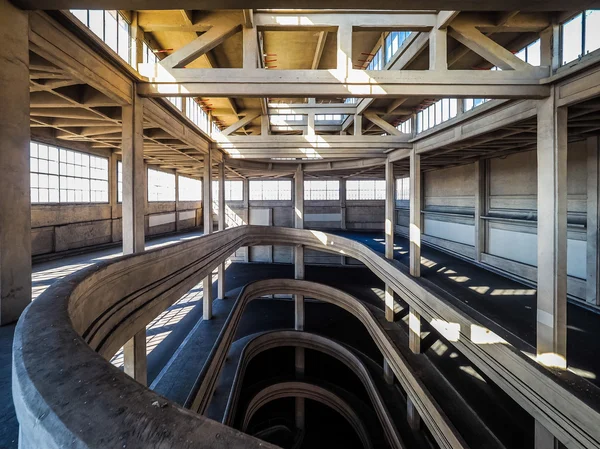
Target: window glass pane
[
  {"x": 534, "y": 52},
  {"x": 365, "y": 189},
  {"x": 97, "y": 22},
  {"x": 189, "y": 189},
  {"x": 81, "y": 14},
  {"x": 572, "y": 39},
  {"x": 161, "y": 186},
  {"x": 270, "y": 190},
  {"x": 124, "y": 40},
  {"x": 111, "y": 29},
  {"x": 592, "y": 30}
]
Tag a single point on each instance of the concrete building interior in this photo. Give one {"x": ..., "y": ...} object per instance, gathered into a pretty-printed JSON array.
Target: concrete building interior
[{"x": 306, "y": 224}]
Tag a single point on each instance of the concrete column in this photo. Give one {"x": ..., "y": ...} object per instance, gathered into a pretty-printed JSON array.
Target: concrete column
[
  {"x": 310, "y": 124},
  {"x": 137, "y": 38},
  {"x": 480, "y": 200},
  {"x": 415, "y": 214},
  {"x": 299, "y": 250},
  {"x": 550, "y": 48},
  {"x": 412, "y": 415},
  {"x": 390, "y": 224},
  {"x": 135, "y": 188},
  {"x": 552, "y": 233},
  {"x": 343, "y": 203},
  {"x": 358, "y": 122},
  {"x": 438, "y": 49},
  {"x": 543, "y": 439},
  {"x": 221, "y": 280},
  {"x": 264, "y": 125},
  {"x": 388, "y": 374},
  {"x": 207, "y": 298},
  {"x": 250, "y": 58},
  {"x": 344, "y": 48},
  {"x": 593, "y": 220},
  {"x": 134, "y": 177},
  {"x": 414, "y": 330},
  {"x": 177, "y": 199},
  {"x": 134, "y": 358},
  {"x": 246, "y": 212},
  {"x": 15, "y": 200}
]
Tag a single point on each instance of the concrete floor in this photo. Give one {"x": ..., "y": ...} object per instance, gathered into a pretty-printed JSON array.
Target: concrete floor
[{"x": 506, "y": 304}]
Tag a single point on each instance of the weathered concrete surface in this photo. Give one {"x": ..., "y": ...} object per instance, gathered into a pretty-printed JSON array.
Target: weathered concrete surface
[{"x": 15, "y": 213}]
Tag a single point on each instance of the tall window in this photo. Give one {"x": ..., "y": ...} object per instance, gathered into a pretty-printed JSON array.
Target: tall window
[
  {"x": 110, "y": 26},
  {"x": 329, "y": 117},
  {"x": 531, "y": 54},
  {"x": 471, "y": 103},
  {"x": 580, "y": 35},
  {"x": 405, "y": 126},
  {"x": 189, "y": 189},
  {"x": 234, "y": 190},
  {"x": 148, "y": 55},
  {"x": 271, "y": 190},
  {"x": 403, "y": 189},
  {"x": 59, "y": 175},
  {"x": 365, "y": 189},
  {"x": 161, "y": 186},
  {"x": 321, "y": 190}
]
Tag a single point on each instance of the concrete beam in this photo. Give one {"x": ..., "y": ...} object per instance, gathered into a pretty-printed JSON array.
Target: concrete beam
[
  {"x": 219, "y": 33},
  {"x": 382, "y": 124},
  {"x": 408, "y": 5},
  {"x": 15, "y": 209},
  {"x": 342, "y": 82},
  {"x": 240, "y": 123}
]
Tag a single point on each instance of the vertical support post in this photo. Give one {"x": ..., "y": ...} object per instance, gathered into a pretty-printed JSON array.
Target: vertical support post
[
  {"x": 221, "y": 276},
  {"x": 344, "y": 49},
  {"x": 414, "y": 330},
  {"x": 15, "y": 200},
  {"x": 390, "y": 224},
  {"x": 134, "y": 204},
  {"x": 358, "y": 124},
  {"x": 412, "y": 416},
  {"x": 343, "y": 203},
  {"x": 480, "y": 201},
  {"x": 310, "y": 124},
  {"x": 388, "y": 374},
  {"x": 134, "y": 358},
  {"x": 137, "y": 37},
  {"x": 246, "y": 206},
  {"x": 134, "y": 185},
  {"x": 543, "y": 439},
  {"x": 299, "y": 250},
  {"x": 550, "y": 48},
  {"x": 552, "y": 233},
  {"x": 177, "y": 199},
  {"x": 208, "y": 227},
  {"x": 438, "y": 49},
  {"x": 593, "y": 220},
  {"x": 415, "y": 214},
  {"x": 250, "y": 41}
]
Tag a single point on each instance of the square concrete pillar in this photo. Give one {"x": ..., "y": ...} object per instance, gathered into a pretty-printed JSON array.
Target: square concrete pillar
[
  {"x": 207, "y": 296},
  {"x": 388, "y": 374},
  {"x": 134, "y": 358},
  {"x": 344, "y": 48},
  {"x": 414, "y": 330},
  {"x": 415, "y": 214},
  {"x": 15, "y": 200},
  {"x": 221, "y": 275},
  {"x": 552, "y": 233},
  {"x": 299, "y": 250},
  {"x": 480, "y": 208},
  {"x": 134, "y": 177},
  {"x": 390, "y": 224}
]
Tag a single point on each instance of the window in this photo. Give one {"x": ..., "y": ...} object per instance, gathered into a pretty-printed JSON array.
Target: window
[
  {"x": 471, "y": 103},
  {"x": 364, "y": 189},
  {"x": 59, "y": 175},
  {"x": 110, "y": 26},
  {"x": 119, "y": 182},
  {"x": 234, "y": 190},
  {"x": 161, "y": 186},
  {"x": 321, "y": 190},
  {"x": 271, "y": 190},
  {"x": 531, "y": 54},
  {"x": 580, "y": 35},
  {"x": 329, "y": 117},
  {"x": 283, "y": 119},
  {"x": 438, "y": 112},
  {"x": 177, "y": 102},
  {"x": 392, "y": 43},
  {"x": 403, "y": 189},
  {"x": 405, "y": 127},
  {"x": 148, "y": 55},
  {"x": 189, "y": 189}
]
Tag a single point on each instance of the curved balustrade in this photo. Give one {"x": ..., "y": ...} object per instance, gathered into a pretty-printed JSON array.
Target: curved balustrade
[
  {"x": 307, "y": 340},
  {"x": 59, "y": 376},
  {"x": 314, "y": 393}
]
